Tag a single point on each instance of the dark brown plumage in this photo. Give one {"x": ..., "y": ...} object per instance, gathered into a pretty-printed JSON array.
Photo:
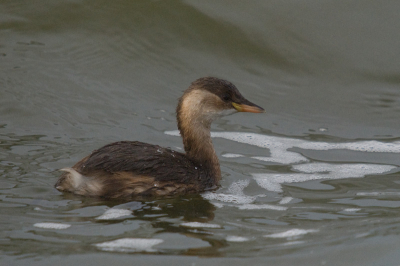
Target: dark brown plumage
[{"x": 128, "y": 169}]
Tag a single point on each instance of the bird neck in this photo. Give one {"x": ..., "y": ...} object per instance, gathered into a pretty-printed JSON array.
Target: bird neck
[{"x": 195, "y": 132}]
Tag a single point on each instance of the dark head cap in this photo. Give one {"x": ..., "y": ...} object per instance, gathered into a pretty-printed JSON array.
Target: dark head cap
[{"x": 227, "y": 92}]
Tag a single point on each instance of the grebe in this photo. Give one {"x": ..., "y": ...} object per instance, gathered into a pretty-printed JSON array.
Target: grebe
[{"x": 128, "y": 169}]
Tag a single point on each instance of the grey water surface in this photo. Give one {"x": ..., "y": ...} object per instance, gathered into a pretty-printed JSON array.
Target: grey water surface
[{"x": 314, "y": 181}]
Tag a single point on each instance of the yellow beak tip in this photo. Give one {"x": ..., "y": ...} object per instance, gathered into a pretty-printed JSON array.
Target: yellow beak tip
[{"x": 248, "y": 108}]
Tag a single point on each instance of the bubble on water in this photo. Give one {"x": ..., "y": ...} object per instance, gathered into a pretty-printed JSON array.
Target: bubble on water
[
  {"x": 285, "y": 200},
  {"x": 377, "y": 194},
  {"x": 57, "y": 226},
  {"x": 279, "y": 146},
  {"x": 235, "y": 195},
  {"x": 284, "y": 157},
  {"x": 292, "y": 243},
  {"x": 352, "y": 210},
  {"x": 229, "y": 198},
  {"x": 172, "y": 133},
  {"x": 363, "y": 146},
  {"x": 271, "y": 182},
  {"x": 291, "y": 234},
  {"x": 232, "y": 155},
  {"x": 218, "y": 205},
  {"x": 361, "y": 235},
  {"x": 200, "y": 225},
  {"x": 279, "y": 152},
  {"x": 130, "y": 245},
  {"x": 236, "y": 239},
  {"x": 319, "y": 171},
  {"x": 261, "y": 207},
  {"x": 114, "y": 214},
  {"x": 238, "y": 186}
]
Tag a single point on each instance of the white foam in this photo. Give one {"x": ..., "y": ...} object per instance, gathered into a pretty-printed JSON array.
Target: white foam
[
  {"x": 261, "y": 207},
  {"x": 363, "y": 146},
  {"x": 130, "y": 245},
  {"x": 238, "y": 186},
  {"x": 218, "y": 205},
  {"x": 200, "y": 225},
  {"x": 278, "y": 146},
  {"x": 229, "y": 198},
  {"x": 377, "y": 194},
  {"x": 236, "y": 194},
  {"x": 362, "y": 235},
  {"x": 172, "y": 133},
  {"x": 287, "y": 157},
  {"x": 231, "y": 155},
  {"x": 290, "y": 234},
  {"x": 352, "y": 209},
  {"x": 319, "y": 171},
  {"x": 285, "y": 200},
  {"x": 236, "y": 239},
  {"x": 279, "y": 153},
  {"x": 114, "y": 214},
  {"x": 291, "y": 243},
  {"x": 57, "y": 226}
]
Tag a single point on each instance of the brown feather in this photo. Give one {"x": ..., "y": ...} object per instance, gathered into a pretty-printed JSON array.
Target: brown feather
[{"x": 135, "y": 169}]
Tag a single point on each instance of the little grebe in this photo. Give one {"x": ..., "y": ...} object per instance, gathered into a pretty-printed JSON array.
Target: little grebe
[{"x": 135, "y": 169}]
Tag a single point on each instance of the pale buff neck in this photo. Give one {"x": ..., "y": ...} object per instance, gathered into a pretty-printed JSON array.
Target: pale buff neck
[{"x": 194, "y": 127}]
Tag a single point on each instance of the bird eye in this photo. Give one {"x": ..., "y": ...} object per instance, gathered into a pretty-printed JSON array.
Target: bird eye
[{"x": 226, "y": 98}]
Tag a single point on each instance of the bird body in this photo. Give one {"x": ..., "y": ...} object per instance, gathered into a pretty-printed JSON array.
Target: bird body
[{"x": 129, "y": 169}]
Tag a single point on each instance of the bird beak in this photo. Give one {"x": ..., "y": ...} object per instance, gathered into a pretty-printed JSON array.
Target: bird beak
[{"x": 248, "y": 108}]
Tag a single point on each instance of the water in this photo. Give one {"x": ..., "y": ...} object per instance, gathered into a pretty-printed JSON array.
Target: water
[{"x": 314, "y": 181}]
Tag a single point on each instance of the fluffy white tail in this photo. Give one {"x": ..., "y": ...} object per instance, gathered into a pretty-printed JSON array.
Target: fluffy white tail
[{"x": 70, "y": 181}]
